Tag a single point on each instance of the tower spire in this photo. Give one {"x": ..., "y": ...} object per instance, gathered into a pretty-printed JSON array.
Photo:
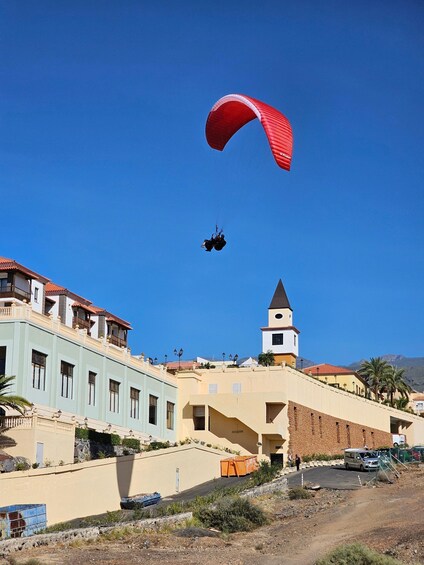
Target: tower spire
[
  {"x": 280, "y": 300},
  {"x": 280, "y": 335}
]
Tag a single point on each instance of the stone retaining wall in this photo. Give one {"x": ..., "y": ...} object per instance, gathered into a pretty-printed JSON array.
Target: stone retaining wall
[{"x": 13, "y": 545}]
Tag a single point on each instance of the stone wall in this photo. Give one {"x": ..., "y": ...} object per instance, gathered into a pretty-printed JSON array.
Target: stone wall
[
  {"x": 86, "y": 450},
  {"x": 311, "y": 432}
]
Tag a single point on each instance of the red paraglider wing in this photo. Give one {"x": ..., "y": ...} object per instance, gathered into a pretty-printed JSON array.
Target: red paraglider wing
[{"x": 234, "y": 111}]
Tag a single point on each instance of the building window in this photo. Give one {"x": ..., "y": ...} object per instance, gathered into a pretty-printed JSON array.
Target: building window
[
  {"x": 348, "y": 435},
  {"x": 295, "y": 338},
  {"x": 312, "y": 424},
  {"x": 113, "y": 396},
  {"x": 236, "y": 388},
  {"x": 153, "y": 409},
  {"x": 320, "y": 425},
  {"x": 372, "y": 440},
  {"x": 67, "y": 374},
  {"x": 364, "y": 436},
  {"x": 295, "y": 418},
  {"x": 337, "y": 432},
  {"x": 91, "y": 388},
  {"x": 35, "y": 294},
  {"x": 2, "y": 359},
  {"x": 213, "y": 388},
  {"x": 170, "y": 409},
  {"x": 199, "y": 417},
  {"x": 277, "y": 339},
  {"x": 39, "y": 370},
  {"x": 134, "y": 403}
]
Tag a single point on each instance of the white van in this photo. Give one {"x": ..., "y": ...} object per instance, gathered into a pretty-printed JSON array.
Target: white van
[{"x": 360, "y": 458}]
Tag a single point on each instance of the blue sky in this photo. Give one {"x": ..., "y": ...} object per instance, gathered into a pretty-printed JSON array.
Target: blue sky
[{"x": 109, "y": 187}]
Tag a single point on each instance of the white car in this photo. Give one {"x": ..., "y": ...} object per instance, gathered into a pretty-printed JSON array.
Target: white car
[{"x": 362, "y": 459}]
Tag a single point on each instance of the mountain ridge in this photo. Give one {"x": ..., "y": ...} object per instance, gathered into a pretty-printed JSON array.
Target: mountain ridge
[{"x": 414, "y": 367}]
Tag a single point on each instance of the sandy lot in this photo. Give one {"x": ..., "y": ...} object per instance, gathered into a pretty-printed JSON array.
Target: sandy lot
[{"x": 388, "y": 518}]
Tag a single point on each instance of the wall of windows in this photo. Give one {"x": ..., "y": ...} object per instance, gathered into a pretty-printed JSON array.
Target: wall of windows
[{"x": 55, "y": 373}]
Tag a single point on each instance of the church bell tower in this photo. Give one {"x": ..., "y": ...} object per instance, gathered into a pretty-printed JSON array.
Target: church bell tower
[{"x": 280, "y": 336}]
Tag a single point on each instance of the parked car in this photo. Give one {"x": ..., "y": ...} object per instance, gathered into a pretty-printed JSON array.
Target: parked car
[{"x": 362, "y": 459}]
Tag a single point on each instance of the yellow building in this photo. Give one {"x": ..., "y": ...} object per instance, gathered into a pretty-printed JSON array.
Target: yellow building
[{"x": 338, "y": 377}]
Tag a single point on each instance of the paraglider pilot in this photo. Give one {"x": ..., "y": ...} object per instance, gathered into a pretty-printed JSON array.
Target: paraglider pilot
[{"x": 217, "y": 241}]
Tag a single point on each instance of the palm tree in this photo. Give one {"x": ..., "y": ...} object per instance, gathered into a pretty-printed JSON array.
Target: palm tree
[
  {"x": 8, "y": 400},
  {"x": 375, "y": 372},
  {"x": 266, "y": 359},
  {"x": 402, "y": 387},
  {"x": 394, "y": 382}
]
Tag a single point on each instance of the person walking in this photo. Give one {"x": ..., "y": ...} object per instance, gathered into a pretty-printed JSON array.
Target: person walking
[{"x": 297, "y": 461}]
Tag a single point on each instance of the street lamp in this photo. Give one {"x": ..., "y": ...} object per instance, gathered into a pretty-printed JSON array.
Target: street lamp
[
  {"x": 178, "y": 354},
  {"x": 234, "y": 359}
]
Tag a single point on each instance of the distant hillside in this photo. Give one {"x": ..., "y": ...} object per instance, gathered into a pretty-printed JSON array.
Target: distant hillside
[{"x": 414, "y": 367}]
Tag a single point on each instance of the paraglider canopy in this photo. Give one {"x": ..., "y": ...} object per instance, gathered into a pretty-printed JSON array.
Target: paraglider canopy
[{"x": 233, "y": 111}]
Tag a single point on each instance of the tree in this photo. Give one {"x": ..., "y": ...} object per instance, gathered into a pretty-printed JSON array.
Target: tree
[
  {"x": 375, "y": 372},
  {"x": 394, "y": 382},
  {"x": 8, "y": 400},
  {"x": 266, "y": 359}
]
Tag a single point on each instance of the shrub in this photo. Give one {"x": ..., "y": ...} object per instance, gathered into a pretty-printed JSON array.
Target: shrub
[
  {"x": 264, "y": 474},
  {"x": 356, "y": 554},
  {"x": 157, "y": 445},
  {"x": 231, "y": 515},
  {"x": 115, "y": 439},
  {"x": 81, "y": 433},
  {"x": 171, "y": 509},
  {"x": 21, "y": 466},
  {"x": 132, "y": 443},
  {"x": 296, "y": 493}
]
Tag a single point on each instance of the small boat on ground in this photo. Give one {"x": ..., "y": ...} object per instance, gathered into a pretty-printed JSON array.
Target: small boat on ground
[{"x": 140, "y": 500}]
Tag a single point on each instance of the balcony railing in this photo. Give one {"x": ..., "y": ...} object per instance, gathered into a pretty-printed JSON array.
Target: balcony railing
[
  {"x": 9, "y": 290},
  {"x": 84, "y": 324},
  {"x": 117, "y": 341},
  {"x": 9, "y": 422}
]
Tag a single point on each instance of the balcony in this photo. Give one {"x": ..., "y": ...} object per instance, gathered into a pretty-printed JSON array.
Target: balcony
[
  {"x": 80, "y": 323},
  {"x": 118, "y": 341},
  {"x": 9, "y": 290}
]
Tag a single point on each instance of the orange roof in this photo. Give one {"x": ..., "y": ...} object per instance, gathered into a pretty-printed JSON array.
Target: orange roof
[
  {"x": 85, "y": 307},
  {"x": 326, "y": 369},
  {"x": 111, "y": 317},
  {"x": 51, "y": 287},
  {"x": 12, "y": 265}
]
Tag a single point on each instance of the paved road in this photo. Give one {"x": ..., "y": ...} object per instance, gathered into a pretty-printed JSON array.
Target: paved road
[
  {"x": 205, "y": 488},
  {"x": 334, "y": 477}
]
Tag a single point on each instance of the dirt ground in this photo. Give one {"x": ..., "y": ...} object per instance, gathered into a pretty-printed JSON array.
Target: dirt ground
[{"x": 388, "y": 518}]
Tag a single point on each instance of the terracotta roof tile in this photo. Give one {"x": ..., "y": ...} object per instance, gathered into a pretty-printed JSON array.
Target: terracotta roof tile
[
  {"x": 87, "y": 307},
  {"x": 12, "y": 265},
  {"x": 327, "y": 369}
]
